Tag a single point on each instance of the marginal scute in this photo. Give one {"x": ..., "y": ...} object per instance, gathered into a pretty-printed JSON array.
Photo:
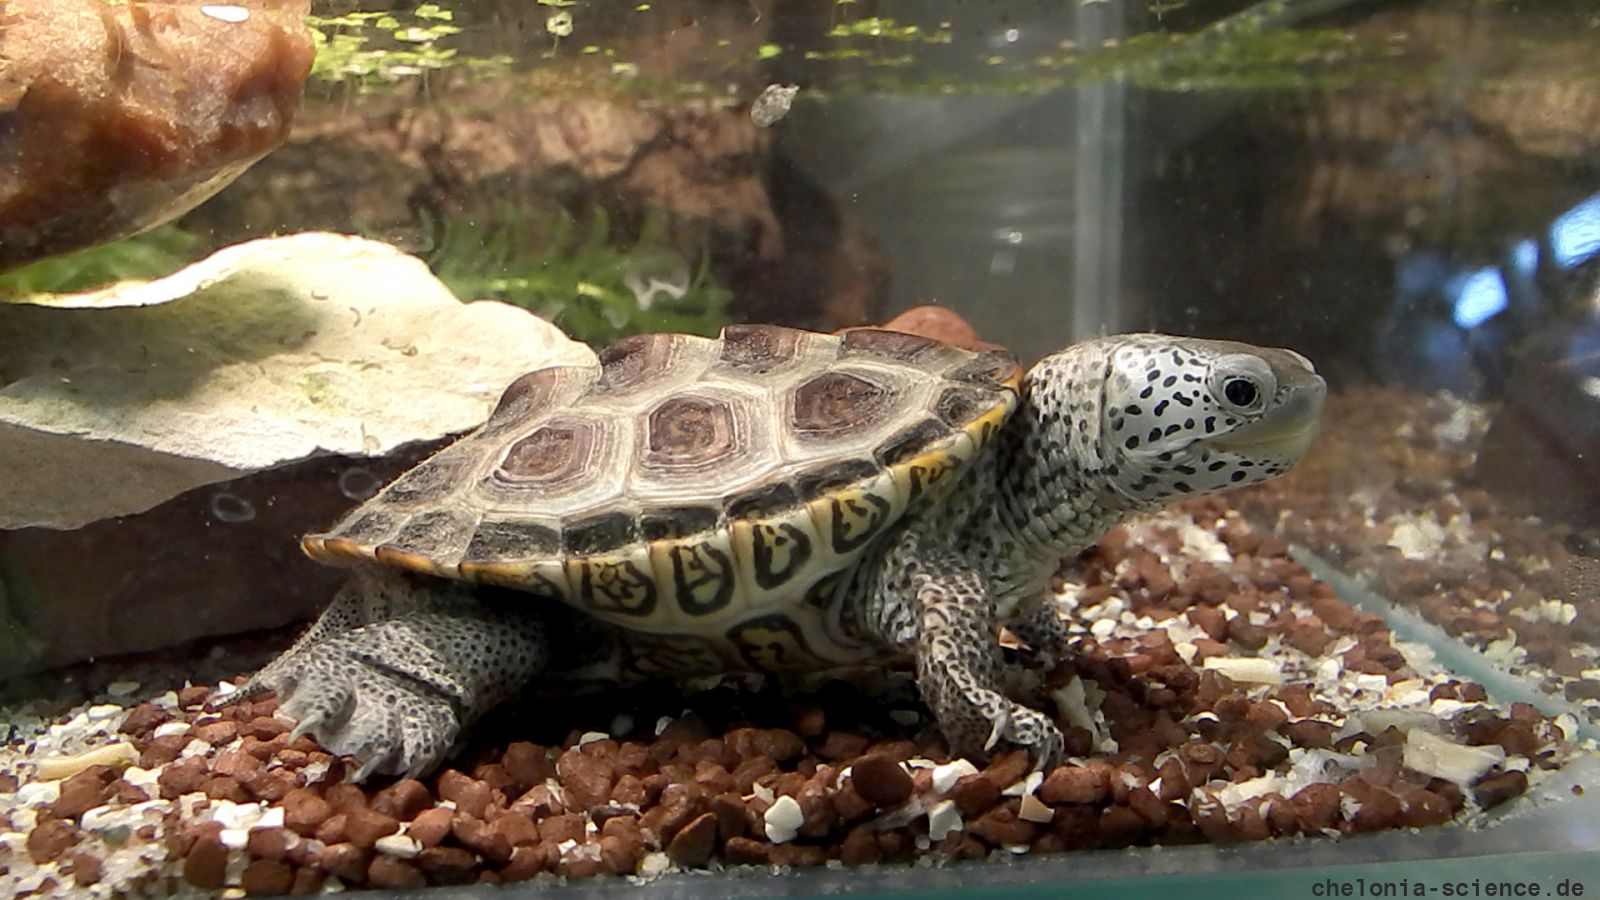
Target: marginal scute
[
  {"x": 758, "y": 349},
  {"x": 613, "y": 585},
  {"x": 600, "y": 534},
  {"x": 837, "y": 402},
  {"x": 885, "y": 344},
  {"x": 499, "y": 540},
  {"x": 702, "y": 577},
  {"x": 689, "y": 431},
  {"x": 678, "y": 522},
  {"x": 439, "y": 534},
  {"x": 910, "y": 442},
  {"x": 370, "y": 528},
  {"x": 432, "y": 480},
  {"x": 630, "y": 362},
  {"x": 557, "y": 451},
  {"x": 770, "y": 500},
  {"x": 961, "y": 405},
  {"x": 991, "y": 367}
]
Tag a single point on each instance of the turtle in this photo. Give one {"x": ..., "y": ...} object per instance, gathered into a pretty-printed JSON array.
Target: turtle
[{"x": 769, "y": 500}]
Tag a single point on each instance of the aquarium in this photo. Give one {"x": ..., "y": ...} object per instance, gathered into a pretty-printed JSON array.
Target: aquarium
[{"x": 647, "y": 393}]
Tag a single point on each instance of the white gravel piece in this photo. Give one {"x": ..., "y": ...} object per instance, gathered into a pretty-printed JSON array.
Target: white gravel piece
[
  {"x": 943, "y": 819},
  {"x": 783, "y": 820},
  {"x": 946, "y": 776},
  {"x": 400, "y": 845}
]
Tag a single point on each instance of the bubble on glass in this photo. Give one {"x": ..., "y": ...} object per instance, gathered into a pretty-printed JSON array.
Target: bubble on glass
[
  {"x": 359, "y": 483},
  {"x": 656, "y": 271},
  {"x": 229, "y": 507}
]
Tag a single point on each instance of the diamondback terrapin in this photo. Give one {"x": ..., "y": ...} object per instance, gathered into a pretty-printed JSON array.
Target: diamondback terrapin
[{"x": 771, "y": 499}]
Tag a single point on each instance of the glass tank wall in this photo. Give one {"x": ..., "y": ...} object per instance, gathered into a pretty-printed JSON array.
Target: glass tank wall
[{"x": 1377, "y": 674}]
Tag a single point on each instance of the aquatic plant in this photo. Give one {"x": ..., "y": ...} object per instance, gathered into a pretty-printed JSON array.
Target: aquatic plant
[{"x": 577, "y": 275}]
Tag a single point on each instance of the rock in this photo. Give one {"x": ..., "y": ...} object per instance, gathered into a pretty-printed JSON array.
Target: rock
[
  {"x": 693, "y": 843},
  {"x": 297, "y": 347},
  {"x": 122, "y": 117},
  {"x": 880, "y": 781}
]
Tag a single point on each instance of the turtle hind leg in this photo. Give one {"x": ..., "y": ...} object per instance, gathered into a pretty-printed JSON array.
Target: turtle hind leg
[
  {"x": 394, "y": 672},
  {"x": 934, "y": 604}
]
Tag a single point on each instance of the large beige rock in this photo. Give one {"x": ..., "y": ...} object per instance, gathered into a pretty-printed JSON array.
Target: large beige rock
[
  {"x": 265, "y": 353},
  {"x": 117, "y": 117}
]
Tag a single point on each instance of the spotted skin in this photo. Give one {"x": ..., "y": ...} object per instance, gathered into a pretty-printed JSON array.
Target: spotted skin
[{"x": 918, "y": 552}]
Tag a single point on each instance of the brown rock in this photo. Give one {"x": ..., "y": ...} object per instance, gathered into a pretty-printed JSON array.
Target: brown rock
[
  {"x": 178, "y": 779},
  {"x": 265, "y": 728},
  {"x": 860, "y": 847},
  {"x": 403, "y": 799},
  {"x": 267, "y": 785},
  {"x": 620, "y": 853},
  {"x": 478, "y": 837},
  {"x": 529, "y": 764},
  {"x": 940, "y": 324},
  {"x": 364, "y": 826},
  {"x": 50, "y": 838},
  {"x": 1497, "y": 789},
  {"x": 565, "y": 827},
  {"x": 447, "y": 865},
  {"x": 82, "y": 791},
  {"x": 346, "y": 862},
  {"x": 430, "y": 826},
  {"x": 529, "y": 861},
  {"x": 587, "y": 779},
  {"x": 206, "y": 865},
  {"x": 268, "y": 843},
  {"x": 267, "y": 877},
  {"x": 744, "y": 851},
  {"x": 217, "y": 733},
  {"x": 307, "y": 881},
  {"x": 470, "y": 795},
  {"x": 842, "y": 745},
  {"x": 516, "y": 828},
  {"x": 733, "y": 818},
  {"x": 1317, "y": 807},
  {"x": 974, "y": 794},
  {"x": 143, "y": 719},
  {"x": 193, "y": 695},
  {"x": 225, "y": 787},
  {"x": 880, "y": 781},
  {"x": 387, "y": 872},
  {"x": 120, "y": 120},
  {"x": 1075, "y": 784},
  {"x": 1000, "y": 826},
  {"x": 332, "y": 829},
  {"x": 692, "y": 844},
  {"x": 304, "y": 811},
  {"x": 85, "y": 868}
]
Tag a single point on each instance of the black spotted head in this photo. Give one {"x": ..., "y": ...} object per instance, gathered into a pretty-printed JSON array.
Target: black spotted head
[{"x": 1184, "y": 416}]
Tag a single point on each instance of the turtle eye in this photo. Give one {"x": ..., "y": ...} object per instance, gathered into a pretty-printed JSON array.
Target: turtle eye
[{"x": 1240, "y": 391}]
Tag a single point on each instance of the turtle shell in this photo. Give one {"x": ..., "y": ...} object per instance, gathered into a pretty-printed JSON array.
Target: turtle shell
[{"x": 689, "y": 483}]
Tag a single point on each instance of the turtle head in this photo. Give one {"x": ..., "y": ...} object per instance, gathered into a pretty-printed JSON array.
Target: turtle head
[{"x": 1183, "y": 416}]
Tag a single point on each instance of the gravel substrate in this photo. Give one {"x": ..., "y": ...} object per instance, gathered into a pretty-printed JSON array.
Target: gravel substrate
[
  {"x": 1219, "y": 693},
  {"x": 1387, "y": 495}
]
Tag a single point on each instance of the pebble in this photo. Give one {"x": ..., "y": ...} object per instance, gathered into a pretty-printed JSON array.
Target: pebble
[
  {"x": 403, "y": 846},
  {"x": 693, "y": 843},
  {"x": 880, "y": 781},
  {"x": 943, "y": 819},
  {"x": 945, "y": 776},
  {"x": 783, "y": 820}
]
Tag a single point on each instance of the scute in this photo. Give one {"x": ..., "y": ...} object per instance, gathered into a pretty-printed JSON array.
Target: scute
[
  {"x": 691, "y": 431},
  {"x": 835, "y": 402},
  {"x": 758, "y": 349},
  {"x": 693, "y": 486}
]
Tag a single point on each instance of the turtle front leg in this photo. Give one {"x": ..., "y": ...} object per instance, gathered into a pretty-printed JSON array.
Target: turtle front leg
[
  {"x": 1041, "y": 627},
  {"x": 933, "y": 603},
  {"x": 394, "y": 671}
]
